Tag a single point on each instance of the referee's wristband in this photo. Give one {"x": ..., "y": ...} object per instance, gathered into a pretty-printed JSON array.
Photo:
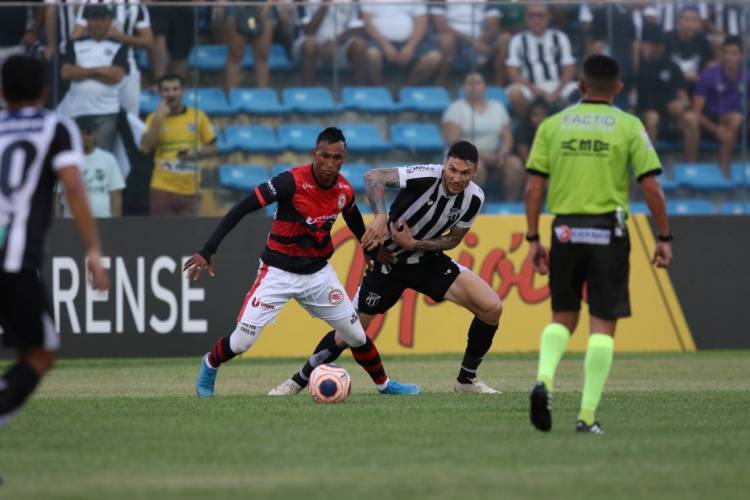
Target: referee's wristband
[
  {"x": 666, "y": 238},
  {"x": 532, "y": 237}
]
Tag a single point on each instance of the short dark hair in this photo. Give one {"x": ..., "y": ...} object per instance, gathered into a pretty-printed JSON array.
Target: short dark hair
[
  {"x": 464, "y": 150},
  {"x": 170, "y": 77},
  {"x": 732, "y": 40},
  {"x": 23, "y": 78},
  {"x": 330, "y": 135},
  {"x": 600, "y": 72}
]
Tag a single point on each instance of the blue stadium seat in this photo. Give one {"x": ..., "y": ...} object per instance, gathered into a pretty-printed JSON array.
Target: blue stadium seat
[
  {"x": 689, "y": 207},
  {"x": 424, "y": 99},
  {"x": 355, "y": 174},
  {"x": 741, "y": 174},
  {"x": 208, "y": 57},
  {"x": 668, "y": 184},
  {"x": 316, "y": 100},
  {"x": 278, "y": 59},
  {"x": 735, "y": 208},
  {"x": 702, "y": 177},
  {"x": 299, "y": 137},
  {"x": 638, "y": 207},
  {"x": 242, "y": 177},
  {"x": 663, "y": 147},
  {"x": 364, "y": 138},
  {"x": 492, "y": 93},
  {"x": 224, "y": 143},
  {"x": 417, "y": 137},
  {"x": 149, "y": 102},
  {"x": 256, "y": 101},
  {"x": 280, "y": 167},
  {"x": 505, "y": 208},
  {"x": 253, "y": 139},
  {"x": 141, "y": 59},
  {"x": 368, "y": 99},
  {"x": 211, "y": 100}
]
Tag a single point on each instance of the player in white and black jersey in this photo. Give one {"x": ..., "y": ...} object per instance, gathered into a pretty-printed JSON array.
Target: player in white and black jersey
[
  {"x": 37, "y": 149},
  {"x": 432, "y": 212}
]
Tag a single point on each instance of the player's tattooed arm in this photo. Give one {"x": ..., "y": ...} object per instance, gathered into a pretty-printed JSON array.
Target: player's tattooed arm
[
  {"x": 376, "y": 180},
  {"x": 402, "y": 237}
]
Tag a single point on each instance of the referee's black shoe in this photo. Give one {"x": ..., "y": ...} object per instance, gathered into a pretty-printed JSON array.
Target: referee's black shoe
[
  {"x": 594, "y": 428},
  {"x": 541, "y": 402}
]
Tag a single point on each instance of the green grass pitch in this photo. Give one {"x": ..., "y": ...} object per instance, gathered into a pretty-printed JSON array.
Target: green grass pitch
[{"x": 677, "y": 426}]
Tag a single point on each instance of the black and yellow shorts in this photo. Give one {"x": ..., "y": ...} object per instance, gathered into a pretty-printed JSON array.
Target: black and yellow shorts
[{"x": 586, "y": 252}]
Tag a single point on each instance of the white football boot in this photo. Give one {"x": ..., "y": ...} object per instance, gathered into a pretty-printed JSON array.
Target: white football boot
[
  {"x": 476, "y": 386},
  {"x": 287, "y": 388}
]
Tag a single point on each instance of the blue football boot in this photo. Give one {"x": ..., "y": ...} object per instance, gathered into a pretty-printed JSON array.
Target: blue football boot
[
  {"x": 204, "y": 385},
  {"x": 398, "y": 389}
]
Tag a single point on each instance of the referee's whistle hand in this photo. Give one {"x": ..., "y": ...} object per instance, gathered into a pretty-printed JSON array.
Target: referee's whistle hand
[
  {"x": 539, "y": 257},
  {"x": 662, "y": 254}
]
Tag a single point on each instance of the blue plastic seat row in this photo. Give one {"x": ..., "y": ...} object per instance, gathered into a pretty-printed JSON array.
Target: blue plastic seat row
[
  {"x": 213, "y": 58},
  {"x": 706, "y": 177},
  {"x": 247, "y": 177}
]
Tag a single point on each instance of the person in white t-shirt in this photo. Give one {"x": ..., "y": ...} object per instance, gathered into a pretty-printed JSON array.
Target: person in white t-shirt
[
  {"x": 101, "y": 175},
  {"x": 486, "y": 124}
]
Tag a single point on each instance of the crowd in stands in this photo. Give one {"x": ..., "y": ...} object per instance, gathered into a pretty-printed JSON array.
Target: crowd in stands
[{"x": 509, "y": 65}]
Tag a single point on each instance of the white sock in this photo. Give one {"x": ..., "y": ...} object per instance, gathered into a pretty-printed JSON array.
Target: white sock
[
  {"x": 208, "y": 363},
  {"x": 383, "y": 385}
]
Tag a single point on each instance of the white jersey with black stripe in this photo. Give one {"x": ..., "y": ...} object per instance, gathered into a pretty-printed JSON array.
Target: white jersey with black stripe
[
  {"x": 423, "y": 204},
  {"x": 34, "y": 145}
]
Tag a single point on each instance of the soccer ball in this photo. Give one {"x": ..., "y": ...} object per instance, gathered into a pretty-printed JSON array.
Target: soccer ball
[{"x": 329, "y": 384}]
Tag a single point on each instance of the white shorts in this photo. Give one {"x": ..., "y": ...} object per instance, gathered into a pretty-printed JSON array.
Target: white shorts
[
  {"x": 320, "y": 293},
  {"x": 548, "y": 87}
]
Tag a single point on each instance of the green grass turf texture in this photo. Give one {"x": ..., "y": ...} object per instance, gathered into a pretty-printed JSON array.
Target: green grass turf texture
[{"x": 676, "y": 427}]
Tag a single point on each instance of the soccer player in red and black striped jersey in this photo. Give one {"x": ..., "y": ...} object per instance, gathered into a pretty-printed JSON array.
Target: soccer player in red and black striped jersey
[{"x": 294, "y": 264}]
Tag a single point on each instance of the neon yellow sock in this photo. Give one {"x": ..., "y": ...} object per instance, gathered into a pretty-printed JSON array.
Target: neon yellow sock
[
  {"x": 552, "y": 346},
  {"x": 596, "y": 370}
]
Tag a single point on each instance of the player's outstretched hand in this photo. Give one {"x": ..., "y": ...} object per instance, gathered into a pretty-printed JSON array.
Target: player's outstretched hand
[
  {"x": 97, "y": 274},
  {"x": 662, "y": 254},
  {"x": 539, "y": 256},
  {"x": 375, "y": 233},
  {"x": 401, "y": 234},
  {"x": 195, "y": 266}
]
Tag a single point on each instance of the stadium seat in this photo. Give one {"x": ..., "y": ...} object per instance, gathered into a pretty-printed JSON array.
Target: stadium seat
[
  {"x": 492, "y": 93},
  {"x": 689, "y": 207},
  {"x": 368, "y": 99},
  {"x": 702, "y": 177},
  {"x": 505, "y": 208},
  {"x": 278, "y": 60},
  {"x": 355, "y": 174},
  {"x": 280, "y": 167},
  {"x": 668, "y": 184},
  {"x": 364, "y": 138},
  {"x": 417, "y": 137},
  {"x": 256, "y": 101},
  {"x": 315, "y": 100},
  {"x": 208, "y": 57},
  {"x": 638, "y": 207},
  {"x": 242, "y": 177},
  {"x": 663, "y": 147},
  {"x": 735, "y": 208},
  {"x": 142, "y": 60},
  {"x": 210, "y": 100},
  {"x": 299, "y": 137},
  {"x": 148, "y": 102},
  {"x": 741, "y": 174},
  {"x": 253, "y": 139},
  {"x": 424, "y": 99}
]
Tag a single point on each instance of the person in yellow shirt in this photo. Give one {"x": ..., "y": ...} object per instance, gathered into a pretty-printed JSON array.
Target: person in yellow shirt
[{"x": 178, "y": 136}]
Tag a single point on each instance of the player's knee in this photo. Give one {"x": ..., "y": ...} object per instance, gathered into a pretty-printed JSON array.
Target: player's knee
[
  {"x": 350, "y": 331},
  {"x": 243, "y": 337},
  {"x": 491, "y": 310}
]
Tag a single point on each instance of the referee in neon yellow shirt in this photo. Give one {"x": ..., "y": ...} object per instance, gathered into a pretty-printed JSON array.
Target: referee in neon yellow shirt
[{"x": 584, "y": 152}]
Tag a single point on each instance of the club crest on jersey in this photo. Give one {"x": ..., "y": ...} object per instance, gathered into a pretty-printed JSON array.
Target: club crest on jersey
[
  {"x": 191, "y": 127},
  {"x": 454, "y": 214},
  {"x": 342, "y": 200},
  {"x": 335, "y": 296},
  {"x": 563, "y": 233},
  {"x": 372, "y": 299}
]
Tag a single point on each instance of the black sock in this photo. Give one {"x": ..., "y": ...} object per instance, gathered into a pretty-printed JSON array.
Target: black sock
[
  {"x": 15, "y": 386},
  {"x": 480, "y": 341},
  {"x": 326, "y": 352},
  {"x": 368, "y": 357},
  {"x": 221, "y": 352}
]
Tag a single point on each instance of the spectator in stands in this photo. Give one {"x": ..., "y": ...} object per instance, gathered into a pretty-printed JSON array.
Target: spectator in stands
[
  {"x": 95, "y": 66},
  {"x": 179, "y": 137},
  {"x": 668, "y": 12},
  {"x": 469, "y": 33},
  {"x": 174, "y": 37},
  {"x": 101, "y": 175},
  {"x": 331, "y": 34},
  {"x": 535, "y": 115},
  {"x": 688, "y": 46},
  {"x": 398, "y": 36},
  {"x": 486, "y": 124},
  {"x": 663, "y": 94},
  {"x": 131, "y": 26},
  {"x": 718, "y": 99},
  {"x": 18, "y": 31},
  {"x": 59, "y": 22},
  {"x": 540, "y": 63}
]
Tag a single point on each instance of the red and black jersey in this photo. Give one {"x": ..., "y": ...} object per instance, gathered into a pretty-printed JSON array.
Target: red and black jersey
[{"x": 300, "y": 238}]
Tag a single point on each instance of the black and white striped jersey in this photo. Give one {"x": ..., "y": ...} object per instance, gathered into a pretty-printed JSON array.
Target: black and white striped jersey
[
  {"x": 540, "y": 58},
  {"x": 424, "y": 206},
  {"x": 34, "y": 145}
]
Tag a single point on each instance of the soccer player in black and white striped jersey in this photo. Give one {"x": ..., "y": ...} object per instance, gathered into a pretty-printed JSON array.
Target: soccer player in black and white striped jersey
[
  {"x": 432, "y": 212},
  {"x": 37, "y": 148}
]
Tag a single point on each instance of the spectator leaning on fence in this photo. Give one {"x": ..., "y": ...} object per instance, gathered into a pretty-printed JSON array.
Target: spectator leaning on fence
[{"x": 178, "y": 136}]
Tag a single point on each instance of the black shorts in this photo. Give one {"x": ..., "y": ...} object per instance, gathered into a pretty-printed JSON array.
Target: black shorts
[
  {"x": 177, "y": 24},
  {"x": 585, "y": 251},
  {"x": 25, "y": 313},
  {"x": 380, "y": 290}
]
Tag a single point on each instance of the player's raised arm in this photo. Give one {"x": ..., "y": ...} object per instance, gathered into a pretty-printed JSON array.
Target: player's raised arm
[{"x": 376, "y": 180}]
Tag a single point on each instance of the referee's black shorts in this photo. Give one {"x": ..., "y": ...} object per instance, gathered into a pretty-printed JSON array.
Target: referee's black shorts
[
  {"x": 25, "y": 313},
  {"x": 382, "y": 287},
  {"x": 586, "y": 251}
]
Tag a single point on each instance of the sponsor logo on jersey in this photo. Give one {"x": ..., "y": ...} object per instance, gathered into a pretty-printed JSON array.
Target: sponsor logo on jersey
[
  {"x": 314, "y": 221},
  {"x": 335, "y": 296},
  {"x": 248, "y": 329},
  {"x": 418, "y": 168},
  {"x": 306, "y": 186},
  {"x": 256, "y": 302},
  {"x": 583, "y": 235},
  {"x": 588, "y": 122},
  {"x": 271, "y": 187},
  {"x": 354, "y": 318},
  {"x": 372, "y": 299},
  {"x": 342, "y": 200}
]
